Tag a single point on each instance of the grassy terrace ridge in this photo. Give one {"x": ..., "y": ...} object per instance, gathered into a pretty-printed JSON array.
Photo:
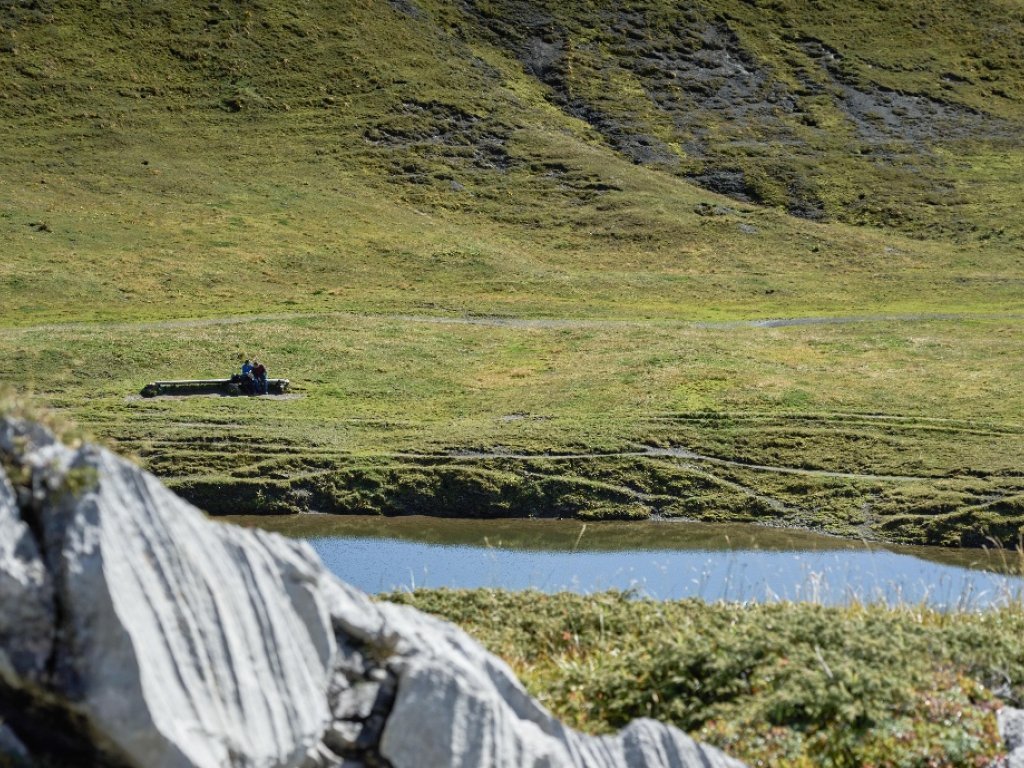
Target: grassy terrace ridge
[
  {"x": 788, "y": 685},
  {"x": 514, "y": 255}
]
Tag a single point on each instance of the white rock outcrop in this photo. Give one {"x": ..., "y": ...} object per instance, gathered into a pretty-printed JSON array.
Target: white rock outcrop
[
  {"x": 1011, "y": 728},
  {"x": 26, "y": 596},
  {"x": 151, "y": 636}
]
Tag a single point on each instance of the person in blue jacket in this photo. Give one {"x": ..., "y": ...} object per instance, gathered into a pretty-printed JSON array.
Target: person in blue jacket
[{"x": 248, "y": 380}]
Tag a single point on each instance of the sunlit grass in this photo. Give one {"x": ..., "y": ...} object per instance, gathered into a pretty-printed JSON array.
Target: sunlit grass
[{"x": 901, "y": 431}]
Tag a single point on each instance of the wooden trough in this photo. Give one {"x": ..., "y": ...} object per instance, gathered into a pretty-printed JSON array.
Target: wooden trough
[{"x": 232, "y": 387}]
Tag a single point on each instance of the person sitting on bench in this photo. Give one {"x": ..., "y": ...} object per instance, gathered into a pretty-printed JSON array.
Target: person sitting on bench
[
  {"x": 248, "y": 380},
  {"x": 259, "y": 373}
]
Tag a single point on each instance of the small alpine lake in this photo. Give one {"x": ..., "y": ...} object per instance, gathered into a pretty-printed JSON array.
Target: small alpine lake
[{"x": 657, "y": 559}]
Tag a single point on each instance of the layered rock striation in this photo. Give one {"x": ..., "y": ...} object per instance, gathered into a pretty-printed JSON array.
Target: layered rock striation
[
  {"x": 135, "y": 632},
  {"x": 1011, "y": 728}
]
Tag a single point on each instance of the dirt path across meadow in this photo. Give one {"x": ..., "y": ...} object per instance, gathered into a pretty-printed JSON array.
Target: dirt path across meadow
[
  {"x": 690, "y": 456},
  {"x": 494, "y": 321}
]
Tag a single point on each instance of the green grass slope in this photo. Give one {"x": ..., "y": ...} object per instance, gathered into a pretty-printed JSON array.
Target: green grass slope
[{"x": 485, "y": 242}]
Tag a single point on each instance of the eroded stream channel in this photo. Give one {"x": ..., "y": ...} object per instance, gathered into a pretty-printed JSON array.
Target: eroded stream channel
[{"x": 663, "y": 560}]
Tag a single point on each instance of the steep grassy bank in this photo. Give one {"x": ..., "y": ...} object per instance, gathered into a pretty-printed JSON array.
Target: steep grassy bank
[
  {"x": 180, "y": 160},
  {"x": 780, "y": 685},
  {"x": 475, "y": 237}
]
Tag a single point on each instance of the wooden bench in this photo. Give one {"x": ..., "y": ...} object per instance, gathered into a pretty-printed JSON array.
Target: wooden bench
[{"x": 184, "y": 387}]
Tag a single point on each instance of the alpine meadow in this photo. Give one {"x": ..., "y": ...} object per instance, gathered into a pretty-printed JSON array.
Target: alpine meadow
[{"x": 755, "y": 261}]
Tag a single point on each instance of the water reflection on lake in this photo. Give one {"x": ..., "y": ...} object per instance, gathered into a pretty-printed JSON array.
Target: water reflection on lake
[{"x": 664, "y": 560}]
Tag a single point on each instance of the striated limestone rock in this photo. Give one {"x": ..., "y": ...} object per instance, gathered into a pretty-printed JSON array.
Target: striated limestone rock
[
  {"x": 11, "y": 746},
  {"x": 1011, "y": 728},
  {"x": 26, "y": 596},
  {"x": 150, "y": 636}
]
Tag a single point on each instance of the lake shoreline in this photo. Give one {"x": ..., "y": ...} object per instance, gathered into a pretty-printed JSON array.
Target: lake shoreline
[{"x": 665, "y": 560}]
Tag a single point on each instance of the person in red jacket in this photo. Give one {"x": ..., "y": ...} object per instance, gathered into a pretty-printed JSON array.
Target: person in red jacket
[{"x": 259, "y": 373}]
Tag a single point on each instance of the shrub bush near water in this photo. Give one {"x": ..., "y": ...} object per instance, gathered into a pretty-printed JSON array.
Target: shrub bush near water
[{"x": 782, "y": 684}]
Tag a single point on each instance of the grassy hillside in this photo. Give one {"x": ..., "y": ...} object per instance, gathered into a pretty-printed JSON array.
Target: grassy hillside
[{"x": 484, "y": 240}]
